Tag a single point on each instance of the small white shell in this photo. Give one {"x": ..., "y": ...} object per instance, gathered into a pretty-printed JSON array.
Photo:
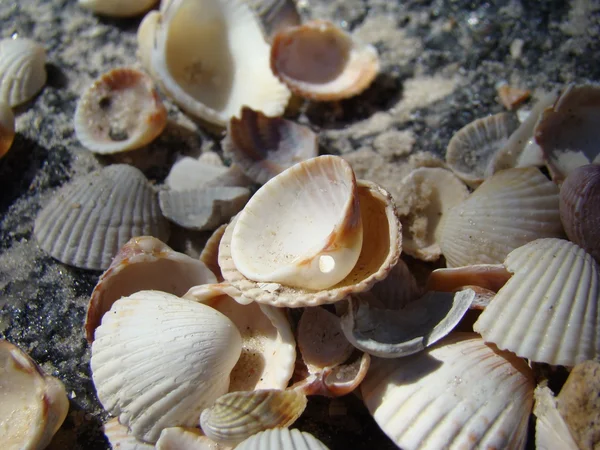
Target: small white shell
[
  {"x": 91, "y": 218},
  {"x": 7, "y": 128},
  {"x": 178, "y": 438},
  {"x": 282, "y": 439},
  {"x": 22, "y": 70},
  {"x": 551, "y": 431},
  {"x": 118, "y": 8}
]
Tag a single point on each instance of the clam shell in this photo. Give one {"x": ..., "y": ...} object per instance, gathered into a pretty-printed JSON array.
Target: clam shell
[
  {"x": 7, "y": 128},
  {"x": 120, "y": 111},
  {"x": 264, "y": 147},
  {"x": 34, "y": 405},
  {"x": 91, "y": 218},
  {"x": 120, "y": 438},
  {"x": 551, "y": 431},
  {"x": 210, "y": 252},
  {"x": 238, "y": 415},
  {"x": 117, "y": 8},
  {"x": 460, "y": 393},
  {"x": 511, "y": 208},
  {"x": 22, "y": 70},
  {"x": 159, "y": 360},
  {"x": 282, "y": 439},
  {"x": 189, "y": 173},
  {"x": 319, "y": 61},
  {"x": 276, "y": 237},
  {"x": 549, "y": 310},
  {"x": 382, "y": 232},
  {"x": 145, "y": 39},
  {"x": 178, "y": 438},
  {"x": 144, "y": 263}
]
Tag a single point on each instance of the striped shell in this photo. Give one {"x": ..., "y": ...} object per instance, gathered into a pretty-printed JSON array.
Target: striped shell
[
  {"x": 22, "y": 70},
  {"x": 282, "y": 439}
]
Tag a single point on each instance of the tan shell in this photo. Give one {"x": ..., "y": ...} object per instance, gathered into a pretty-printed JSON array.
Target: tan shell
[
  {"x": 7, "y": 128},
  {"x": 488, "y": 276},
  {"x": 210, "y": 252},
  {"x": 551, "y": 431},
  {"x": 118, "y": 8},
  {"x": 22, "y": 70},
  {"x": 511, "y": 97},
  {"x": 120, "y": 438}
]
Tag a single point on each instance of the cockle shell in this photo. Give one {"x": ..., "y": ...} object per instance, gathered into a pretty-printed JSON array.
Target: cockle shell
[
  {"x": 551, "y": 431},
  {"x": 120, "y": 111},
  {"x": 118, "y": 8},
  {"x": 549, "y": 310},
  {"x": 265, "y": 146},
  {"x": 511, "y": 208},
  {"x": 22, "y": 70},
  {"x": 178, "y": 438},
  {"x": 91, "y": 218},
  {"x": 7, "y": 128},
  {"x": 319, "y": 61},
  {"x": 34, "y": 405},
  {"x": 303, "y": 228},
  {"x": 282, "y": 439},
  {"x": 159, "y": 360},
  {"x": 460, "y": 393}
]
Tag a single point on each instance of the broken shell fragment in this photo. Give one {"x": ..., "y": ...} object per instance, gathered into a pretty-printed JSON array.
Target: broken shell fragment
[
  {"x": 189, "y": 173},
  {"x": 120, "y": 438},
  {"x": 118, "y": 8},
  {"x": 34, "y": 404},
  {"x": 319, "y": 61},
  {"x": 512, "y": 97},
  {"x": 210, "y": 252},
  {"x": 7, "y": 128},
  {"x": 282, "y": 439},
  {"x": 264, "y": 147},
  {"x": 275, "y": 15},
  {"x": 90, "y": 219},
  {"x": 22, "y": 70},
  {"x": 120, "y": 111},
  {"x": 179, "y": 438},
  {"x": 551, "y": 431},
  {"x": 487, "y": 276}
]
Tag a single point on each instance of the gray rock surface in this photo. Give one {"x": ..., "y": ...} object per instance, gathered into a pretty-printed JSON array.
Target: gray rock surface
[{"x": 441, "y": 62}]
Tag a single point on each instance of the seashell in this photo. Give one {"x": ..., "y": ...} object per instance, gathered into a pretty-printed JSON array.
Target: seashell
[
  {"x": 143, "y": 263},
  {"x": 210, "y": 57},
  {"x": 264, "y": 147},
  {"x": 548, "y": 311},
  {"x": 276, "y": 237},
  {"x": 22, "y": 70},
  {"x": 460, "y": 393},
  {"x": 34, "y": 404},
  {"x": 238, "y": 415},
  {"x": 320, "y": 61},
  {"x": 488, "y": 276},
  {"x": 91, "y": 218},
  {"x": 275, "y": 15},
  {"x": 188, "y": 173},
  {"x": 508, "y": 210},
  {"x": 579, "y": 204},
  {"x": 474, "y": 146},
  {"x": 395, "y": 333},
  {"x": 427, "y": 193},
  {"x": 117, "y": 8},
  {"x": 145, "y": 39},
  {"x": 568, "y": 132},
  {"x": 202, "y": 208},
  {"x": 382, "y": 231},
  {"x": 120, "y": 111},
  {"x": 511, "y": 97},
  {"x": 282, "y": 439},
  {"x": 159, "y": 360},
  {"x": 551, "y": 431},
  {"x": 7, "y": 128},
  {"x": 398, "y": 289},
  {"x": 178, "y": 438},
  {"x": 120, "y": 438},
  {"x": 210, "y": 252}
]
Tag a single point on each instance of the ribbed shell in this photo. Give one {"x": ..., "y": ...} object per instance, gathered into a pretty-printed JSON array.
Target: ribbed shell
[
  {"x": 7, "y": 128},
  {"x": 22, "y": 70},
  {"x": 282, "y": 439},
  {"x": 91, "y": 218},
  {"x": 459, "y": 394},
  {"x": 159, "y": 360},
  {"x": 511, "y": 208},
  {"x": 549, "y": 310}
]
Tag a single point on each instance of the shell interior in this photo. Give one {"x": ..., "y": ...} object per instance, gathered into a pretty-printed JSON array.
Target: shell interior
[
  {"x": 179, "y": 438},
  {"x": 22, "y": 70},
  {"x": 276, "y": 15},
  {"x": 210, "y": 252},
  {"x": 120, "y": 438},
  {"x": 551, "y": 431},
  {"x": 118, "y": 8}
]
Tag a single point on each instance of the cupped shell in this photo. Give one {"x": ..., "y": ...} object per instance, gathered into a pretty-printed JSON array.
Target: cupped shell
[
  {"x": 7, "y": 128},
  {"x": 511, "y": 208},
  {"x": 282, "y": 439},
  {"x": 178, "y": 438},
  {"x": 549, "y": 310},
  {"x": 22, "y": 70},
  {"x": 210, "y": 252},
  {"x": 90, "y": 219},
  {"x": 159, "y": 360},
  {"x": 118, "y": 8},
  {"x": 460, "y": 393},
  {"x": 276, "y": 15}
]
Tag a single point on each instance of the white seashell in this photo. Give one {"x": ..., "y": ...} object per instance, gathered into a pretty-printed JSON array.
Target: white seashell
[
  {"x": 178, "y": 438},
  {"x": 549, "y": 310},
  {"x": 34, "y": 405},
  {"x": 91, "y": 218},
  {"x": 551, "y": 431},
  {"x": 282, "y": 439},
  {"x": 22, "y": 70},
  {"x": 487, "y": 276},
  {"x": 460, "y": 393},
  {"x": 210, "y": 252},
  {"x": 511, "y": 208},
  {"x": 117, "y": 8},
  {"x": 145, "y": 39},
  {"x": 120, "y": 111},
  {"x": 189, "y": 173},
  {"x": 159, "y": 360},
  {"x": 302, "y": 228},
  {"x": 7, "y": 128},
  {"x": 120, "y": 438}
]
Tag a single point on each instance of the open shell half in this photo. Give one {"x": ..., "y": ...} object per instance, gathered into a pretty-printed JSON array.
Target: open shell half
[{"x": 7, "y": 128}]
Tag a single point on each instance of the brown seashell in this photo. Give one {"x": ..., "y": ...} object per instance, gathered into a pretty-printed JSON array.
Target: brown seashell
[
  {"x": 488, "y": 276},
  {"x": 7, "y": 128},
  {"x": 512, "y": 97}
]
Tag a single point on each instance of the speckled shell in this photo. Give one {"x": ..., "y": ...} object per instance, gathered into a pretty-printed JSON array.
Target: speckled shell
[
  {"x": 91, "y": 218},
  {"x": 460, "y": 393},
  {"x": 551, "y": 431},
  {"x": 7, "y": 128},
  {"x": 549, "y": 311},
  {"x": 282, "y": 439},
  {"x": 511, "y": 208},
  {"x": 22, "y": 70},
  {"x": 118, "y": 8}
]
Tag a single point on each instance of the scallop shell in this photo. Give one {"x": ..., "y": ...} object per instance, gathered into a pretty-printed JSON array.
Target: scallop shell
[
  {"x": 549, "y": 310},
  {"x": 551, "y": 431},
  {"x": 264, "y": 147},
  {"x": 144, "y": 263},
  {"x": 178, "y": 438},
  {"x": 460, "y": 393},
  {"x": 120, "y": 111},
  {"x": 91, "y": 218},
  {"x": 118, "y": 8},
  {"x": 7, "y": 128},
  {"x": 210, "y": 252},
  {"x": 22, "y": 70},
  {"x": 238, "y": 415},
  {"x": 159, "y": 360},
  {"x": 211, "y": 58},
  {"x": 277, "y": 237},
  {"x": 382, "y": 232},
  {"x": 34, "y": 405},
  {"x": 319, "y": 61},
  {"x": 120, "y": 438},
  {"x": 282, "y": 439},
  {"x": 509, "y": 209}
]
